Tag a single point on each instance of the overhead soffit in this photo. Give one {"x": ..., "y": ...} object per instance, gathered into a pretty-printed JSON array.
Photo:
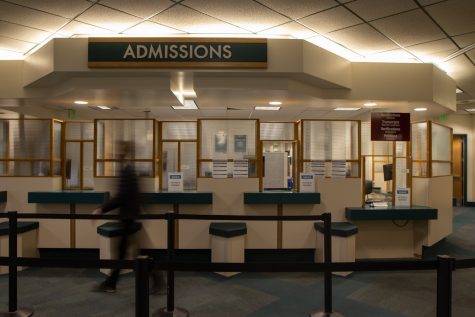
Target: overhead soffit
[{"x": 371, "y": 28}]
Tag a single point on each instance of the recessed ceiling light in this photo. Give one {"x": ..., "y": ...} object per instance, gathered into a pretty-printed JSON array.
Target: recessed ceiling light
[
  {"x": 370, "y": 104},
  {"x": 81, "y": 102},
  {"x": 420, "y": 109},
  {"x": 275, "y": 103},
  {"x": 275, "y": 108},
  {"x": 346, "y": 109},
  {"x": 188, "y": 105},
  {"x": 470, "y": 109},
  {"x": 103, "y": 107},
  {"x": 458, "y": 91}
]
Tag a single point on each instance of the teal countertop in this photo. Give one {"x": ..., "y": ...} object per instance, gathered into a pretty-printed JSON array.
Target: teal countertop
[
  {"x": 68, "y": 197},
  {"x": 391, "y": 213},
  {"x": 3, "y": 196},
  {"x": 178, "y": 198},
  {"x": 281, "y": 197}
]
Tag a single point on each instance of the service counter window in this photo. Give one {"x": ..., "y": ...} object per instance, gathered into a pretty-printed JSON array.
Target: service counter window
[
  {"x": 79, "y": 155},
  {"x": 386, "y": 166},
  {"x": 229, "y": 144},
  {"x": 30, "y": 147},
  {"x": 331, "y": 148},
  {"x": 140, "y": 132},
  {"x": 432, "y": 149},
  {"x": 178, "y": 152},
  {"x": 279, "y": 152}
]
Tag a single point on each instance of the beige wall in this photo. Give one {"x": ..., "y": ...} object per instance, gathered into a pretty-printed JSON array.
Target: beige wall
[{"x": 435, "y": 192}]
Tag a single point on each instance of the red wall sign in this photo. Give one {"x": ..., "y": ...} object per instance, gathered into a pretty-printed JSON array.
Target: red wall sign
[{"x": 390, "y": 126}]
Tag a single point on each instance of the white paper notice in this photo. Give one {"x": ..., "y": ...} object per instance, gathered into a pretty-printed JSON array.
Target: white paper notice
[
  {"x": 403, "y": 197},
  {"x": 318, "y": 168},
  {"x": 338, "y": 169},
  {"x": 307, "y": 183},
  {"x": 175, "y": 181},
  {"x": 241, "y": 169},
  {"x": 220, "y": 169}
]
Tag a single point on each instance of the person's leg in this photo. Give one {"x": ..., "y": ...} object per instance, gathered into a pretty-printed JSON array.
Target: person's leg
[{"x": 122, "y": 250}]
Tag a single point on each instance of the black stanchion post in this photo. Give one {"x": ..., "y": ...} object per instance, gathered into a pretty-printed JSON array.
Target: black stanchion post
[
  {"x": 13, "y": 270},
  {"x": 327, "y": 244},
  {"x": 141, "y": 286},
  {"x": 445, "y": 266},
  {"x": 171, "y": 310}
]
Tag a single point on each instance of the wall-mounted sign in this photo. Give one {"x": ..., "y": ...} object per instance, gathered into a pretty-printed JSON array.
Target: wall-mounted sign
[
  {"x": 307, "y": 183},
  {"x": 177, "y": 53},
  {"x": 175, "y": 181},
  {"x": 403, "y": 197},
  {"x": 390, "y": 126}
]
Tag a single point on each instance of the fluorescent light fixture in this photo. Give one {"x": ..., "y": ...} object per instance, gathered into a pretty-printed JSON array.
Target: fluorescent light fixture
[
  {"x": 188, "y": 94},
  {"x": 274, "y": 108},
  {"x": 458, "y": 91},
  {"x": 103, "y": 107},
  {"x": 370, "y": 104},
  {"x": 346, "y": 109},
  {"x": 275, "y": 103},
  {"x": 470, "y": 110},
  {"x": 187, "y": 105},
  {"x": 81, "y": 102},
  {"x": 420, "y": 109},
  {"x": 10, "y": 55}
]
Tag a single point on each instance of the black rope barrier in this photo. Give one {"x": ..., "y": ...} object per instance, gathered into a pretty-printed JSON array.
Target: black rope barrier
[
  {"x": 464, "y": 263},
  {"x": 361, "y": 266},
  {"x": 142, "y": 265}
]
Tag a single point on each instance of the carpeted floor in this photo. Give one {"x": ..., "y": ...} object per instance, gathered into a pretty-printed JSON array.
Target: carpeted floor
[{"x": 67, "y": 292}]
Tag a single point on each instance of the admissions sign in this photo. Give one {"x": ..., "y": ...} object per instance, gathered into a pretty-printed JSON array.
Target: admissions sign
[
  {"x": 390, "y": 126},
  {"x": 177, "y": 53}
]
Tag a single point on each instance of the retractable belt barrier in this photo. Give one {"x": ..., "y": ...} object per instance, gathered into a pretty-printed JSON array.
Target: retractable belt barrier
[{"x": 143, "y": 264}]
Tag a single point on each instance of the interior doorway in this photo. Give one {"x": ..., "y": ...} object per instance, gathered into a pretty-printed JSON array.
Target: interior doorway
[{"x": 459, "y": 171}]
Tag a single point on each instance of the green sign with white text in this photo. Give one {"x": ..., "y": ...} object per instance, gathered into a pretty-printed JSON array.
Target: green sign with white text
[{"x": 177, "y": 53}]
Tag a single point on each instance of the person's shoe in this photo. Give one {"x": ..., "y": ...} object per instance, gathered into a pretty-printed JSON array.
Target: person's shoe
[{"x": 104, "y": 288}]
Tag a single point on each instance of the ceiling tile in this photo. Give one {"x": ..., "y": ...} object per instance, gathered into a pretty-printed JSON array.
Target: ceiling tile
[
  {"x": 460, "y": 69},
  {"x": 393, "y": 56},
  {"x": 375, "y": 9},
  {"x": 465, "y": 40},
  {"x": 140, "y": 8},
  {"x": 15, "y": 45},
  {"x": 75, "y": 28},
  {"x": 108, "y": 18},
  {"x": 430, "y": 2},
  {"x": 29, "y": 17},
  {"x": 22, "y": 33},
  {"x": 298, "y": 8},
  {"x": 433, "y": 51},
  {"x": 148, "y": 28},
  {"x": 331, "y": 20},
  {"x": 362, "y": 39},
  {"x": 471, "y": 55},
  {"x": 188, "y": 20},
  {"x": 246, "y": 14},
  {"x": 409, "y": 28},
  {"x": 64, "y": 8},
  {"x": 292, "y": 29},
  {"x": 455, "y": 17}
]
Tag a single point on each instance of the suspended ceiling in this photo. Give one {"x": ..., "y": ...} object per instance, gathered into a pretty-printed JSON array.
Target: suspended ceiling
[{"x": 414, "y": 31}]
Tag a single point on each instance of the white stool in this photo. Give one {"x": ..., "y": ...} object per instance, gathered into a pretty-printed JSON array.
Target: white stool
[
  {"x": 27, "y": 241},
  {"x": 343, "y": 243},
  {"x": 110, "y": 235},
  {"x": 227, "y": 243}
]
